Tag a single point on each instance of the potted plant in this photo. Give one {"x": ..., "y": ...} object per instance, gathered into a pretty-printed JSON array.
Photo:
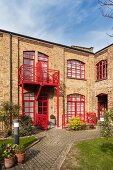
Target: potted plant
[
  {"x": 52, "y": 119},
  {"x": 20, "y": 153},
  {"x": 8, "y": 155}
]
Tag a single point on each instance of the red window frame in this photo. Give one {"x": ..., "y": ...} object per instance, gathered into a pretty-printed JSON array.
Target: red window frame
[
  {"x": 75, "y": 69},
  {"x": 101, "y": 70},
  {"x": 29, "y": 63},
  {"x": 44, "y": 59},
  {"x": 76, "y": 105},
  {"x": 29, "y": 104},
  {"x": 28, "y": 56},
  {"x": 43, "y": 104}
]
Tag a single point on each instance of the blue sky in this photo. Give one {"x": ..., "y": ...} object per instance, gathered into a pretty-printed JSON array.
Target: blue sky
[{"x": 69, "y": 22}]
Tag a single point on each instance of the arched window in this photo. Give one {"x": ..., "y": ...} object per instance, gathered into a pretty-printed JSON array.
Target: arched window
[
  {"x": 43, "y": 58},
  {"x": 101, "y": 70},
  {"x": 75, "y": 69},
  {"x": 76, "y": 104}
]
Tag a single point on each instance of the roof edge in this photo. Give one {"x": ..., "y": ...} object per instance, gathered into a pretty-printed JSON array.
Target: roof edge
[
  {"x": 104, "y": 48},
  {"x": 44, "y": 41}
]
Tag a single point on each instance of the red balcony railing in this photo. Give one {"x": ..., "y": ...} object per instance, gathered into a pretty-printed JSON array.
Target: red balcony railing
[
  {"x": 90, "y": 118},
  {"x": 30, "y": 74}
]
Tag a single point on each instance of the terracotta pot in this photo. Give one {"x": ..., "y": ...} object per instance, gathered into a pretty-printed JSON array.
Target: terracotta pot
[
  {"x": 20, "y": 157},
  {"x": 9, "y": 162}
]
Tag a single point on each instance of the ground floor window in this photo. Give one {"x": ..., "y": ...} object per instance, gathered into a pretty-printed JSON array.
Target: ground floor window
[
  {"x": 76, "y": 104},
  {"x": 29, "y": 104}
]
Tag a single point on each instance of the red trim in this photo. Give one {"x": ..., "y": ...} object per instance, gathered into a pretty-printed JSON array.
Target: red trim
[
  {"x": 58, "y": 94},
  {"x": 22, "y": 98}
]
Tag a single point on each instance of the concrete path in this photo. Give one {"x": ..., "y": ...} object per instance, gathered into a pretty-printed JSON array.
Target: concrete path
[{"x": 50, "y": 152}]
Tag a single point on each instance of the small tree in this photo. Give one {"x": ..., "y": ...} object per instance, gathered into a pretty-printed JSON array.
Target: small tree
[
  {"x": 106, "y": 126},
  {"x": 8, "y": 111}
]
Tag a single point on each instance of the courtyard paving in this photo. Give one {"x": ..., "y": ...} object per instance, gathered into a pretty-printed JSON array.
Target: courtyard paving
[{"x": 52, "y": 148}]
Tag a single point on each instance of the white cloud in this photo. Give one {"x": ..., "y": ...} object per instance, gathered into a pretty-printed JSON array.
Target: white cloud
[{"x": 35, "y": 18}]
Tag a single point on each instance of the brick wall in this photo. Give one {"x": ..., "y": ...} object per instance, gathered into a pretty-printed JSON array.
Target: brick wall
[{"x": 58, "y": 57}]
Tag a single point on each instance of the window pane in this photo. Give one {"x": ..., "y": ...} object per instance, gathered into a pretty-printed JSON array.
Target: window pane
[
  {"x": 26, "y": 109},
  {"x": 26, "y": 104}
]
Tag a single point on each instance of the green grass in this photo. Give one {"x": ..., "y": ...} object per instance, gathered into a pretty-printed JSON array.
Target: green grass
[
  {"x": 26, "y": 141},
  {"x": 95, "y": 155}
]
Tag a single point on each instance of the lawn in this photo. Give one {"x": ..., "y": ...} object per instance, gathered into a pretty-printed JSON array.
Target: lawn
[
  {"x": 26, "y": 141},
  {"x": 90, "y": 155}
]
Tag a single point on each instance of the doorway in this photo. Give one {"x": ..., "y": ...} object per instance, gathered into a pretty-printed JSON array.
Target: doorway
[{"x": 102, "y": 105}]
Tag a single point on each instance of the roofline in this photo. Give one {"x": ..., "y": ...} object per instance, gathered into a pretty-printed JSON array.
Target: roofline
[
  {"x": 104, "y": 48},
  {"x": 44, "y": 41}
]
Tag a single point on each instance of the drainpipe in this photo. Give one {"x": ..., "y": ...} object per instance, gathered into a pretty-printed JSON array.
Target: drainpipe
[
  {"x": 18, "y": 77},
  {"x": 11, "y": 78}
]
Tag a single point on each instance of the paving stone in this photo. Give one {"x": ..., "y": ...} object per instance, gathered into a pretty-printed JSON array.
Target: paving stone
[{"x": 52, "y": 148}]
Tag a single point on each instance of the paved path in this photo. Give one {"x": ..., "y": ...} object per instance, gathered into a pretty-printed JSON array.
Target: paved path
[{"x": 49, "y": 153}]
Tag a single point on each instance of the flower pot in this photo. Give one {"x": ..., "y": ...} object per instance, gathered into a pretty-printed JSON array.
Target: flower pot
[
  {"x": 20, "y": 157},
  {"x": 9, "y": 162}
]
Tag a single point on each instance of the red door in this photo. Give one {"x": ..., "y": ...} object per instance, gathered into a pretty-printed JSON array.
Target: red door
[{"x": 42, "y": 116}]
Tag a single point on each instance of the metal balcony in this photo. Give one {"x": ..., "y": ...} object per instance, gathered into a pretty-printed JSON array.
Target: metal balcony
[{"x": 37, "y": 75}]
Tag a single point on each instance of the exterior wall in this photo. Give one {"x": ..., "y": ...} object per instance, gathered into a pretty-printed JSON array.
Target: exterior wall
[
  {"x": 5, "y": 67},
  {"x": 83, "y": 87},
  {"x": 58, "y": 57},
  {"x": 105, "y": 86}
]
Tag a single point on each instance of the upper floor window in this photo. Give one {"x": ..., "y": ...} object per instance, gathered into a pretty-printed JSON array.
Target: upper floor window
[
  {"x": 75, "y": 69},
  {"x": 28, "y": 57},
  {"x": 101, "y": 70}
]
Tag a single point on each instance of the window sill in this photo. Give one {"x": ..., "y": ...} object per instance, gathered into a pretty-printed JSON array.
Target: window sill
[
  {"x": 100, "y": 80},
  {"x": 76, "y": 79}
]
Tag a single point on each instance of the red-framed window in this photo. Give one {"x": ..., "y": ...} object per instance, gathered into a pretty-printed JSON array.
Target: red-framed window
[
  {"x": 29, "y": 104},
  {"x": 28, "y": 57},
  {"x": 29, "y": 62},
  {"x": 44, "y": 60},
  {"x": 75, "y": 69},
  {"x": 43, "y": 105},
  {"x": 101, "y": 70},
  {"x": 76, "y": 104}
]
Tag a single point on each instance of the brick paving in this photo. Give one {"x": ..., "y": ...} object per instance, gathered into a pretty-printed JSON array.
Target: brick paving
[{"x": 49, "y": 153}]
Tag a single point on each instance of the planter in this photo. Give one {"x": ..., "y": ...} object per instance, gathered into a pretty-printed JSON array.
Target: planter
[
  {"x": 20, "y": 157},
  {"x": 9, "y": 162}
]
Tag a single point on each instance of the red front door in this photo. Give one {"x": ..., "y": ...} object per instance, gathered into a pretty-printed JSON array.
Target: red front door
[{"x": 42, "y": 116}]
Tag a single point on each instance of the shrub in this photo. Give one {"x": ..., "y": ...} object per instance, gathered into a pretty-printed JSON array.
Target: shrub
[
  {"x": 19, "y": 149},
  {"x": 25, "y": 125},
  {"x": 8, "y": 111},
  {"x": 76, "y": 124},
  {"x": 8, "y": 150},
  {"x": 106, "y": 126}
]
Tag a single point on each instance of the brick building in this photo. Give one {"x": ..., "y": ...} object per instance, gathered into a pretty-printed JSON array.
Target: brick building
[{"x": 48, "y": 78}]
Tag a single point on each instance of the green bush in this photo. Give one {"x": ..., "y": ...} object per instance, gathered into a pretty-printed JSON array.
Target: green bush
[
  {"x": 76, "y": 124},
  {"x": 25, "y": 126}
]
